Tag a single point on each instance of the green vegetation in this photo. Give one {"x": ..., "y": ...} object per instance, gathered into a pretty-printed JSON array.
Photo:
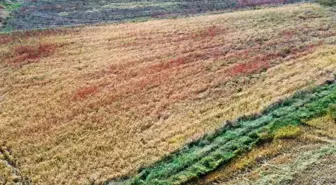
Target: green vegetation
[
  {"x": 327, "y": 2},
  {"x": 6, "y": 8},
  {"x": 212, "y": 151},
  {"x": 290, "y": 172},
  {"x": 288, "y": 132},
  {"x": 10, "y": 5},
  {"x": 332, "y": 111},
  {"x": 92, "y": 103}
]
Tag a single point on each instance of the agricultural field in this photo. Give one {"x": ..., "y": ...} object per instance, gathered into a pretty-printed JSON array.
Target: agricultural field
[
  {"x": 243, "y": 97},
  {"x": 46, "y": 13}
]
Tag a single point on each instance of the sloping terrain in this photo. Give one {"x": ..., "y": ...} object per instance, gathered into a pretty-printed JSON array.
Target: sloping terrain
[
  {"x": 304, "y": 155},
  {"x": 46, "y": 13},
  {"x": 102, "y": 103},
  {"x": 208, "y": 153}
]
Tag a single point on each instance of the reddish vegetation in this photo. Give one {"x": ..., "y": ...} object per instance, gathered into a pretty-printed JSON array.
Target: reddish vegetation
[
  {"x": 191, "y": 72},
  {"x": 256, "y": 64},
  {"x": 147, "y": 88},
  {"x": 30, "y": 53},
  {"x": 8, "y": 38},
  {"x": 262, "y": 62},
  {"x": 149, "y": 82},
  {"x": 247, "y": 68},
  {"x": 166, "y": 65},
  {"x": 85, "y": 92},
  {"x": 288, "y": 34},
  {"x": 5, "y": 39},
  {"x": 160, "y": 75},
  {"x": 208, "y": 32},
  {"x": 297, "y": 52}
]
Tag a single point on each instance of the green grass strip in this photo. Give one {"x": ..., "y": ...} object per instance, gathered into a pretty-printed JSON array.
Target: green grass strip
[
  {"x": 213, "y": 150},
  {"x": 9, "y": 7}
]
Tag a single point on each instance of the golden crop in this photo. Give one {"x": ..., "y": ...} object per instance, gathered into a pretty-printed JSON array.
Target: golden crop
[{"x": 102, "y": 101}]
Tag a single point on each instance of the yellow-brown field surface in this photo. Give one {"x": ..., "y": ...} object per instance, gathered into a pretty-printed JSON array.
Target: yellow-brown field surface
[{"x": 100, "y": 102}]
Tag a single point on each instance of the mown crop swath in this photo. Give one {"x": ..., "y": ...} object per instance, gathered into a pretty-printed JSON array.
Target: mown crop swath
[
  {"x": 115, "y": 98},
  {"x": 214, "y": 150}
]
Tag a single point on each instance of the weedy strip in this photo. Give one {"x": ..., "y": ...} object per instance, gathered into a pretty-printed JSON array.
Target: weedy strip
[{"x": 214, "y": 150}]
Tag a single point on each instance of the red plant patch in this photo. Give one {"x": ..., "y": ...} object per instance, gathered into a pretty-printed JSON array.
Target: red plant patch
[
  {"x": 18, "y": 36},
  {"x": 208, "y": 32},
  {"x": 264, "y": 61},
  {"x": 288, "y": 34},
  {"x": 249, "y": 67},
  {"x": 172, "y": 63},
  {"x": 31, "y": 53},
  {"x": 212, "y": 31},
  {"x": 85, "y": 92},
  {"x": 297, "y": 52},
  {"x": 5, "y": 39},
  {"x": 42, "y": 33},
  {"x": 162, "y": 66}
]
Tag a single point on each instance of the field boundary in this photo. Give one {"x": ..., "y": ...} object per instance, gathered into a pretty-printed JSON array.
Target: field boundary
[
  {"x": 26, "y": 18},
  {"x": 234, "y": 138}
]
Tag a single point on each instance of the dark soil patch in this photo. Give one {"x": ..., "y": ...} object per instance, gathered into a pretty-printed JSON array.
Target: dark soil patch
[{"x": 46, "y": 14}]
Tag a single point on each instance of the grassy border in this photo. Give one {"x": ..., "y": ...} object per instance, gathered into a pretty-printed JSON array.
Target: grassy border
[{"x": 234, "y": 138}]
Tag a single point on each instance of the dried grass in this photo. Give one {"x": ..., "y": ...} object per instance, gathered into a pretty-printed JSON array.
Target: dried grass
[{"x": 138, "y": 86}]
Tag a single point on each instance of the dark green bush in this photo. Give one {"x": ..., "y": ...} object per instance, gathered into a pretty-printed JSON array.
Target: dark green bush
[
  {"x": 327, "y": 2},
  {"x": 332, "y": 111}
]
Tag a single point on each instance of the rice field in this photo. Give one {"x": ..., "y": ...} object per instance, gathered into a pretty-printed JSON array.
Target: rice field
[
  {"x": 201, "y": 157},
  {"x": 162, "y": 101}
]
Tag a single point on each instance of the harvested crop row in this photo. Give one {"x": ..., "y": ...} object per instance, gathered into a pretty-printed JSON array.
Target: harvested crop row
[
  {"x": 286, "y": 162},
  {"x": 309, "y": 166},
  {"x": 208, "y": 153},
  {"x": 272, "y": 157},
  {"x": 111, "y": 99}
]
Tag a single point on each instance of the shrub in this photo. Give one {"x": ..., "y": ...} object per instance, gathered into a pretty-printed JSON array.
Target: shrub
[
  {"x": 327, "y": 2},
  {"x": 287, "y": 132},
  {"x": 332, "y": 111}
]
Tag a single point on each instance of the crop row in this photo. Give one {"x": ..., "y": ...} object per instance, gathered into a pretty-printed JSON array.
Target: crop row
[{"x": 213, "y": 150}]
